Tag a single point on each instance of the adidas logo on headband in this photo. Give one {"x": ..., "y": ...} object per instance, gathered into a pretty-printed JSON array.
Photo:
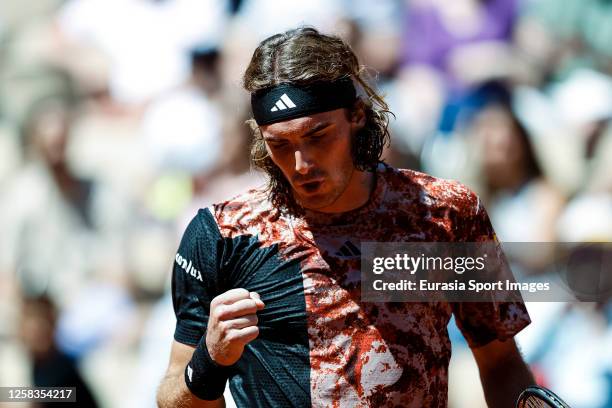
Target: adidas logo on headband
[
  {"x": 288, "y": 103},
  {"x": 273, "y": 104}
]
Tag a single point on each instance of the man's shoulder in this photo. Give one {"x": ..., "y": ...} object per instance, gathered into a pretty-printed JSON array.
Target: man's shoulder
[
  {"x": 448, "y": 209},
  {"x": 247, "y": 200},
  {"x": 430, "y": 190},
  {"x": 243, "y": 210}
]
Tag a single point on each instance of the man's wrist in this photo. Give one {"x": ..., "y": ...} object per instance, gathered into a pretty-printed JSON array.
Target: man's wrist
[{"x": 204, "y": 377}]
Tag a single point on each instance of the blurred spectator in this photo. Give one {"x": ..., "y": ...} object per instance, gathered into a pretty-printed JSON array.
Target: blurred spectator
[
  {"x": 49, "y": 208},
  {"x": 55, "y": 218},
  {"x": 50, "y": 366},
  {"x": 500, "y": 162},
  {"x": 515, "y": 187}
]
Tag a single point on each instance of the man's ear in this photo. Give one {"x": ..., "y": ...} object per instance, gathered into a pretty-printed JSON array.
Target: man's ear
[{"x": 358, "y": 115}]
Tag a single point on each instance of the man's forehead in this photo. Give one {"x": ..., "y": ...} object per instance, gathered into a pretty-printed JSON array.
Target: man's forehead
[{"x": 299, "y": 126}]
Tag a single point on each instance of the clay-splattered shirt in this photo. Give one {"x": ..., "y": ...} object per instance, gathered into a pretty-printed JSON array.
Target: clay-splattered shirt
[{"x": 319, "y": 345}]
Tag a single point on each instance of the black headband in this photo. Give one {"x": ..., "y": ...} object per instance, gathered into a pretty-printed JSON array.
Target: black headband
[{"x": 288, "y": 101}]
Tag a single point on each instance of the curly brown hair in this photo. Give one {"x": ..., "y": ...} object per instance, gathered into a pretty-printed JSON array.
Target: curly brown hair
[{"x": 303, "y": 56}]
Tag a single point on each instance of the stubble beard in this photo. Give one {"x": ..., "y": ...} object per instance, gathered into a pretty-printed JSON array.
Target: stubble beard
[{"x": 316, "y": 201}]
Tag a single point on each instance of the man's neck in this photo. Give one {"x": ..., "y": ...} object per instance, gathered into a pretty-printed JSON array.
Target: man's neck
[{"x": 357, "y": 194}]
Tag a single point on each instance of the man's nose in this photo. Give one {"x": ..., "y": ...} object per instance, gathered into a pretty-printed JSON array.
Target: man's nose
[{"x": 302, "y": 163}]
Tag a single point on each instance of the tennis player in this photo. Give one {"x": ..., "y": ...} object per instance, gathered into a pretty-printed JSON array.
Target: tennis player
[{"x": 266, "y": 286}]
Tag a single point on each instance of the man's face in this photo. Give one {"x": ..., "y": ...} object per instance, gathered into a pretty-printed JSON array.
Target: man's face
[{"x": 314, "y": 154}]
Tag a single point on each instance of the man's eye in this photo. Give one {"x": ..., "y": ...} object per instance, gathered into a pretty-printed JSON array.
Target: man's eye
[
  {"x": 317, "y": 137},
  {"x": 278, "y": 146}
]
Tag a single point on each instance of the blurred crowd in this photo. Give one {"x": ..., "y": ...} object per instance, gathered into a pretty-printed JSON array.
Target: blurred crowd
[{"x": 119, "y": 118}]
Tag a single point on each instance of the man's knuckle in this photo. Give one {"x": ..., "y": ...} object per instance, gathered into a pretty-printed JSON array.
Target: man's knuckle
[
  {"x": 220, "y": 312},
  {"x": 223, "y": 326},
  {"x": 214, "y": 302},
  {"x": 231, "y": 335},
  {"x": 238, "y": 292},
  {"x": 250, "y": 306}
]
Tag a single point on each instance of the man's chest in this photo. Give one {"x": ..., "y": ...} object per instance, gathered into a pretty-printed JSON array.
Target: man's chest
[{"x": 313, "y": 283}]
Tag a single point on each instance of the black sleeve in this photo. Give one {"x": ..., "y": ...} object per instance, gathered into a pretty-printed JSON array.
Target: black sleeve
[{"x": 195, "y": 277}]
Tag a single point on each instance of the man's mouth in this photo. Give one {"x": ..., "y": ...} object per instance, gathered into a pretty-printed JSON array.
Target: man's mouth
[{"x": 311, "y": 186}]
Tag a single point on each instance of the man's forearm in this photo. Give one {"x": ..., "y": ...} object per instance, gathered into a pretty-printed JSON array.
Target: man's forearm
[
  {"x": 173, "y": 393},
  {"x": 503, "y": 383}
]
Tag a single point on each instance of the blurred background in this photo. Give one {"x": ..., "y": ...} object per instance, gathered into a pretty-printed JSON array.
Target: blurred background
[{"x": 119, "y": 118}]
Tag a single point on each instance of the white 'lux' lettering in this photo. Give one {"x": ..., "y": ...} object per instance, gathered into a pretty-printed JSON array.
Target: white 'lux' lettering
[{"x": 188, "y": 267}]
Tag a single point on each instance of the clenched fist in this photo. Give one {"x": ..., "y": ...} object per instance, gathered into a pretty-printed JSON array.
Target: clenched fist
[{"x": 232, "y": 324}]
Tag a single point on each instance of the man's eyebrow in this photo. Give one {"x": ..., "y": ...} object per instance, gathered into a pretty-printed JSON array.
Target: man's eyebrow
[{"x": 316, "y": 128}]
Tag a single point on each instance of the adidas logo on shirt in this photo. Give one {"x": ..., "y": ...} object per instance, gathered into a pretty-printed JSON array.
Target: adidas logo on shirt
[
  {"x": 283, "y": 103},
  {"x": 348, "y": 250}
]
